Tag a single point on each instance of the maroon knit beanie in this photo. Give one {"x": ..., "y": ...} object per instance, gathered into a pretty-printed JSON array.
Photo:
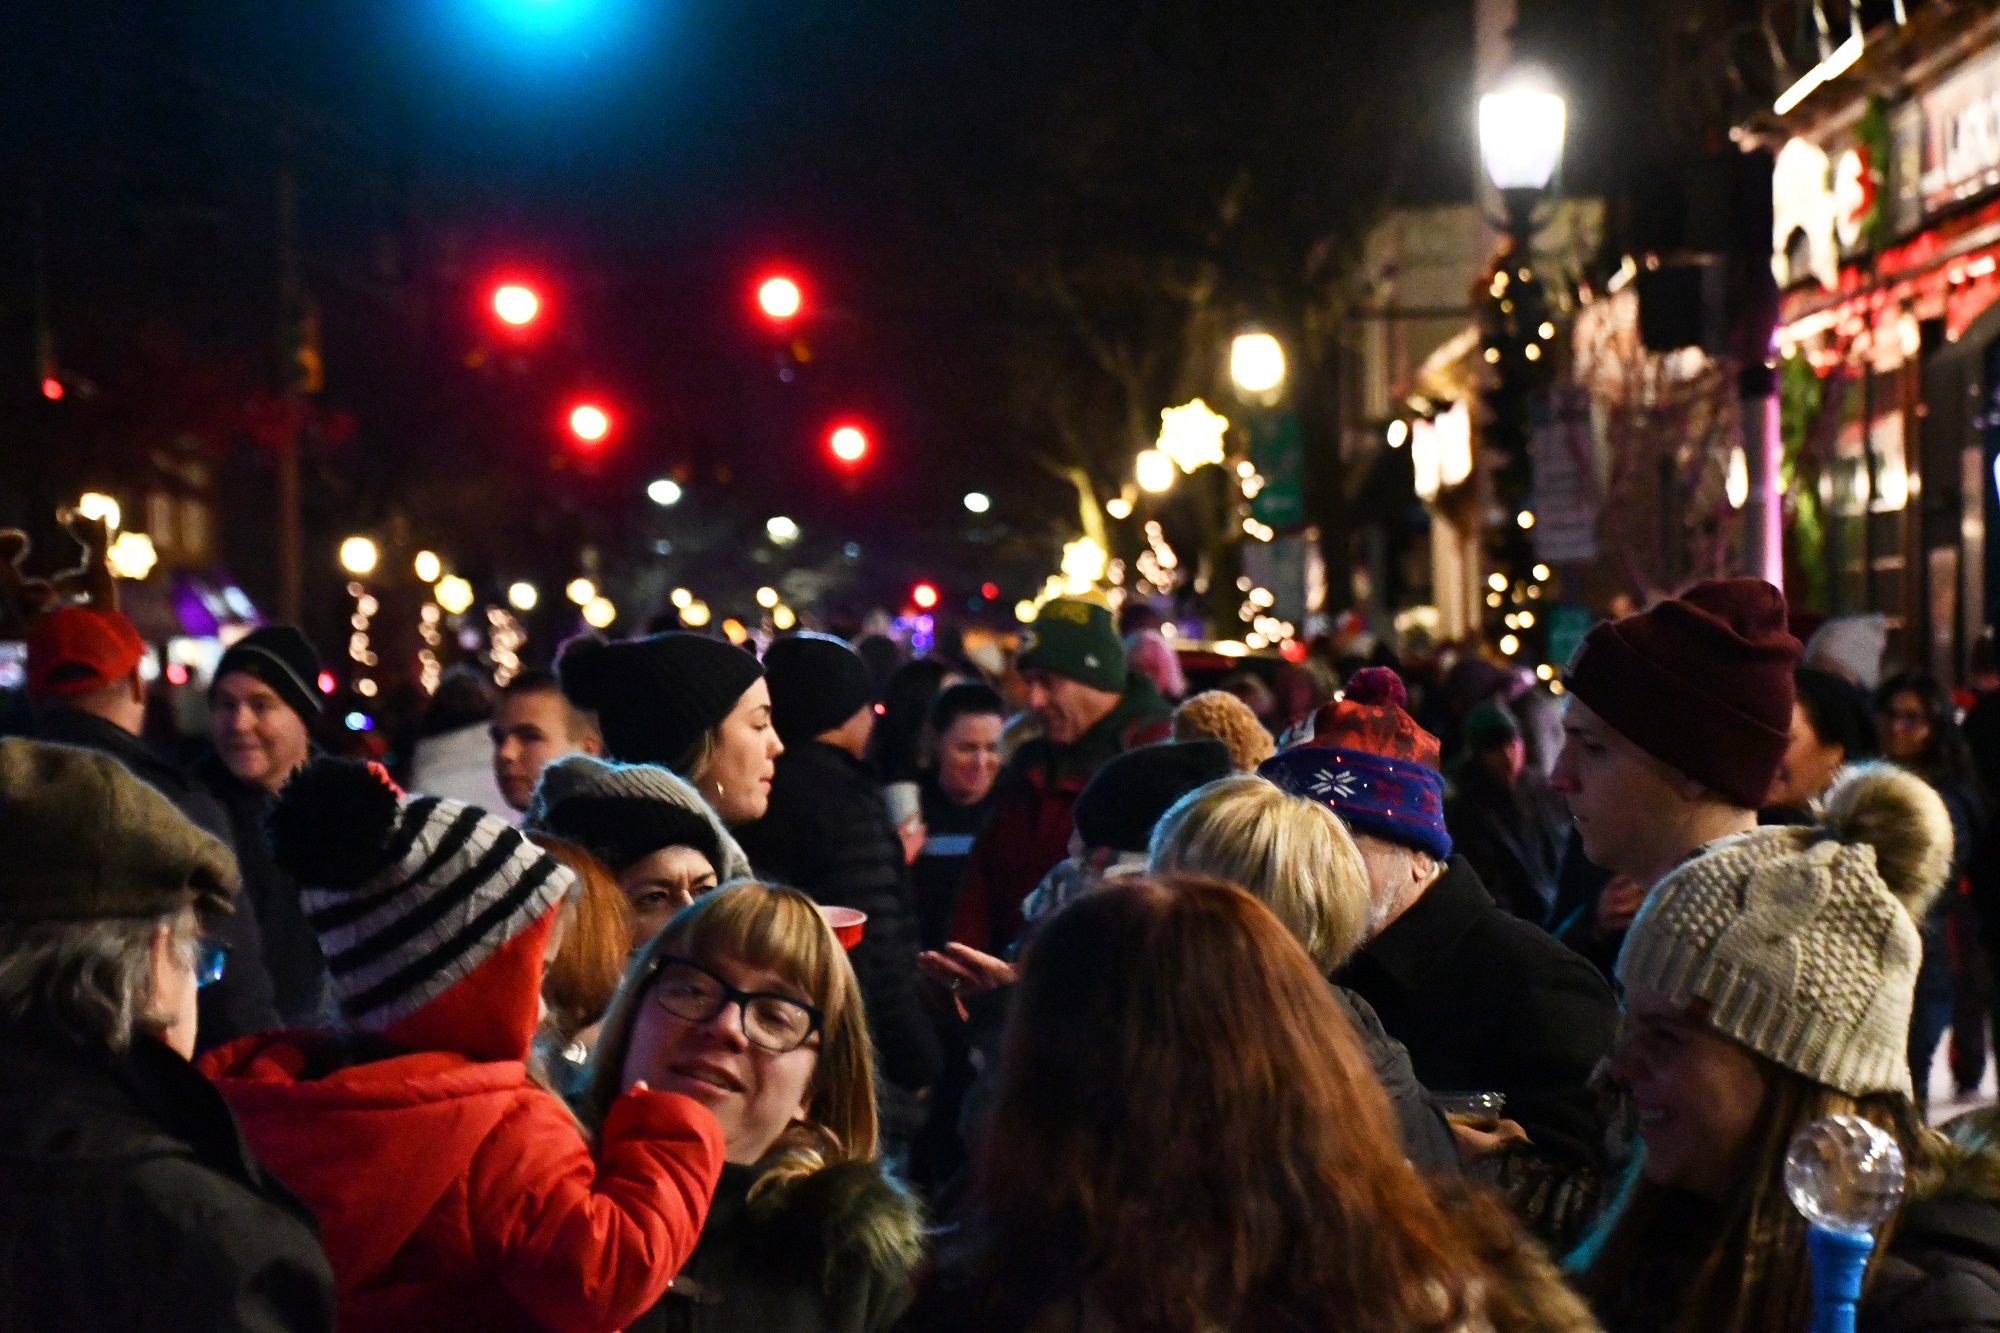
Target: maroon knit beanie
[{"x": 1702, "y": 682}]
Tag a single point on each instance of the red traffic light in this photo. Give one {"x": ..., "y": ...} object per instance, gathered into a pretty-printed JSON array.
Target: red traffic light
[
  {"x": 779, "y": 298},
  {"x": 516, "y": 304},
  {"x": 925, "y": 595},
  {"x": 589, "y": 423},
  {"x": 848, "y": 443}
]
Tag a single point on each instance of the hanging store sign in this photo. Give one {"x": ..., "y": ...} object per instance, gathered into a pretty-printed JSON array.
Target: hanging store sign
[{"x": 1946, "y": 143}]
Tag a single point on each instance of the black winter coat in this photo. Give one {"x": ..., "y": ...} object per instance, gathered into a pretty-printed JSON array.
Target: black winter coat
[
  {"x": 829, "y": 1253},
  {"x": 1512, "y": 836},
  {"x": 1427, "y": 1140},
  {"x": 241, "y": 1002},
  {"x": 827, "y": 832},
  {"x": 1486, "y": 1002},
  {"x": 128, "y": 1200},
  {"x": 299, "y": 978}
]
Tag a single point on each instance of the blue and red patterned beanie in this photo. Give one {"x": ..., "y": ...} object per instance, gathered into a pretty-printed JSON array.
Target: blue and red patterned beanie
[{"x": 1371, "y": 764}]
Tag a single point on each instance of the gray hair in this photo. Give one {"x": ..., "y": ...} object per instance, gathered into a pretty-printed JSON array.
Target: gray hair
[{"x": 91, "y": 981}]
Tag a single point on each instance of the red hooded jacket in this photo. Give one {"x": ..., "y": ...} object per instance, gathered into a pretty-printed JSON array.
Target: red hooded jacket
[{"x": 454, "y": 1194}]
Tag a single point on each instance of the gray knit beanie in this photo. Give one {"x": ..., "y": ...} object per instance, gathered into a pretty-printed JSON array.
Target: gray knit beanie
[
  {"x": 1803, "y": 940},
  {"x": 620, "y": 813}
]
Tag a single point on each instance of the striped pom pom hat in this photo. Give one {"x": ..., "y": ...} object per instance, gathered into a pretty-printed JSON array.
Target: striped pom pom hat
[{"x": 407, "y": 894}]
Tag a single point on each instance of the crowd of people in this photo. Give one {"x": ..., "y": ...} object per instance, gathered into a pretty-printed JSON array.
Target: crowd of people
[{"x": 680, "y": 987}]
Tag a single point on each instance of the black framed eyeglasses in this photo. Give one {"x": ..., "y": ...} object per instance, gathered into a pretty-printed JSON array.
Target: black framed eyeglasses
[
  {"x": 209, "y": 960},
  {"x": 775, "y": 1023}
]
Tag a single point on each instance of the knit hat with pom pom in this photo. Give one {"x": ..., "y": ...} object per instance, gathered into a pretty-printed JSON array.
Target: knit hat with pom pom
[
  {"x": 1802, "y": 940},
  {"x": 407, "y": 894},
  {"x": 655, "y": 698},
  {"x": 1371, "y": 764}
]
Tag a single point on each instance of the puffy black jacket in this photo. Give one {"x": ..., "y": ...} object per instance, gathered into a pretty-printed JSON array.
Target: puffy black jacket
[
  {"x": 128, "y": 1200},
  {"x": 241, "y": 1002},
  {"x": 827, "y": 832}
]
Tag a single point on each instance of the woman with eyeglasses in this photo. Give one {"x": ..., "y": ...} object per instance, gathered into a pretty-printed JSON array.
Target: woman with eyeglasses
[
  {"x": 1919, "y": 730},
  {"x": 747, "y": 1003}
]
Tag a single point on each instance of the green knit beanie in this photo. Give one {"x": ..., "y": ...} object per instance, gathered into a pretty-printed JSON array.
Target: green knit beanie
[
  {"x": 1489, "y": 726},
  {"x": 1077, "y": 639}
]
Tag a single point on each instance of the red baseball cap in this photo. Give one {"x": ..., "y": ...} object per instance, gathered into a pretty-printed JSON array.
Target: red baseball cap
[{"x": 77, "y": 649}]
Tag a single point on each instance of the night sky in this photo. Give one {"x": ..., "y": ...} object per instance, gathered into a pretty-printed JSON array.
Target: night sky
[{"x": 647, "y": 161}]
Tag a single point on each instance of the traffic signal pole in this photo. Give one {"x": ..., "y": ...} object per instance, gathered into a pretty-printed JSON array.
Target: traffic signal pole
[{"x": 291, "y": 299}]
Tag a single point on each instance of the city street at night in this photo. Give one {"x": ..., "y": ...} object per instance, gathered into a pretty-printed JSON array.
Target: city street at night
[{"x": 1083, "y": 667}]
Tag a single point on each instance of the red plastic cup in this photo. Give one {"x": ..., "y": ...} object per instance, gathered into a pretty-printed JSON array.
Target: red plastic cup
[{"x": 847, "y": 924}]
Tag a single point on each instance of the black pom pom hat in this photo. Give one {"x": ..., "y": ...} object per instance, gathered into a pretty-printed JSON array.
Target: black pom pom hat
[{"x": 407, "y": 894}]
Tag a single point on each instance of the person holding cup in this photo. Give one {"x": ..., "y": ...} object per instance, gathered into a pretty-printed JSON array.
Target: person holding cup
[{"x": 829, "y": 833}]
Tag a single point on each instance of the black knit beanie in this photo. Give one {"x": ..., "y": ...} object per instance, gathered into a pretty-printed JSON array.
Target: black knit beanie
[
  {"x": 817, "y": 683},
  {"x": 282, "y": 657},
  {"x": 655, "y": 698},
  {"x": 1119, "y": 806}
]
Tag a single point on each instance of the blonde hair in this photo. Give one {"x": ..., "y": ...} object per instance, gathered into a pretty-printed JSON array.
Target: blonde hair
[
  {"x": 597, "y": 940},
  {"x": 782, "y": 931},
  {"x": 1292, "y": 854}
]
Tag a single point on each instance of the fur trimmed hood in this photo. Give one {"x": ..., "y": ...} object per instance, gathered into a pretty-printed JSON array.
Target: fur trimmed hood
[{"x": 850, "y": 1213}]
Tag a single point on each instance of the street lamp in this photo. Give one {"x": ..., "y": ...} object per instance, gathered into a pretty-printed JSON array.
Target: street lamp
[
  {"x": 1521, "y": 127},
  {"x": 1257, "y": 365}
]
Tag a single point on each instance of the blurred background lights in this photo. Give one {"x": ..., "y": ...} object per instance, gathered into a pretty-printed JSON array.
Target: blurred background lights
[
  {"x": 454, "y": 594},
  {"x": 581, "y": 591},
  {"x": 358, "y": 555},
  {"x": 428, "y": 566},
  {"x": 131, "y": 555},
  {"x": 767, "y": 597},
  {"x": 590, "y": 422},
  {"x": 681, "y": 599},
  {"x": 978, "y": 502},
  {"x": 695, "y": 614},
  {"x": 665, "y": 492},
  {"x": 1154, "y": 471},
  {"x": 523, "y": 596},
  {"x": 96, "y": 504},
  {"x": 598, "y": 613},
  {"x": 781, "y": 530}
]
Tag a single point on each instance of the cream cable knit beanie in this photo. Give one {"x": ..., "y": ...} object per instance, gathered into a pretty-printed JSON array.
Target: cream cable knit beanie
[{"x": 1803, "y": 940}]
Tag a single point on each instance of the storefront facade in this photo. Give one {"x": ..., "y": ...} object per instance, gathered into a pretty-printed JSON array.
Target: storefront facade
[{"x": 1886, "y": 246}]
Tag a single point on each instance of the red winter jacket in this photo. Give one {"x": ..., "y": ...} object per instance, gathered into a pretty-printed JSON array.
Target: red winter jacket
[{"x": 451, "y": 1192}]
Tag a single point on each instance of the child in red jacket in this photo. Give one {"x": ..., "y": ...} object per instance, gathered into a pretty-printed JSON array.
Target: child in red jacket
[{"x": 451, "y": 1192}]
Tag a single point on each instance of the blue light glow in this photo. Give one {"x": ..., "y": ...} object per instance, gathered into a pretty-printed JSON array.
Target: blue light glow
[{"x": 359, "y": 722}]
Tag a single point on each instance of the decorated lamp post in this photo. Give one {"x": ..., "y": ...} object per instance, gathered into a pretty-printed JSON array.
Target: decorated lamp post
[{"x": 1522, "y": 122}]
